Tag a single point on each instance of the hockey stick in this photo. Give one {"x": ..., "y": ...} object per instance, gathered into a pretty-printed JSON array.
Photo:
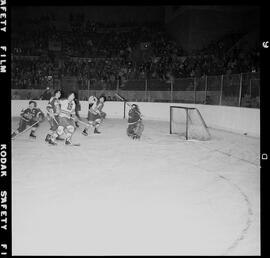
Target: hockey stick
[
  {"x": 55, "y": 120},
  {"x": 85, "y": 124},
  {"x": 25, "y": 130},
  {"x": 52, "y": 116},
  {"x": 123, "y": 99}
]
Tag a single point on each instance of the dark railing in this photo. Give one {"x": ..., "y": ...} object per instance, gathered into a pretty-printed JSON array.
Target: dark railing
[{"x": 241, "y": 90}]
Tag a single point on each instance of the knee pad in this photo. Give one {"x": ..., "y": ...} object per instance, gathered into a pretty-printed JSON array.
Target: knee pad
[
  {"x": 70, "y": 129},
  {"x": 60, "y": 130}
]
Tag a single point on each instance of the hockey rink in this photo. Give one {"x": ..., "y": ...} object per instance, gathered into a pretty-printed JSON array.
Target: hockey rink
[{"x": 161, "y": 195}]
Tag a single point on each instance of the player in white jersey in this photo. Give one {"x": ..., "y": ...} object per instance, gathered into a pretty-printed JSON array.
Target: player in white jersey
[{"x": 66, "y": 118}]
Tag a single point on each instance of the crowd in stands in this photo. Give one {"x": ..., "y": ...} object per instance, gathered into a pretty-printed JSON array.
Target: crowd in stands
[
  {"x": 118, "y": 53},
  {"x": 28, "y": 73}
]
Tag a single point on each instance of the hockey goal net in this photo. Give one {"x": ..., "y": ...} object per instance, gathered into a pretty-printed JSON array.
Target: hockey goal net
[{"x": 188, "y": 122}]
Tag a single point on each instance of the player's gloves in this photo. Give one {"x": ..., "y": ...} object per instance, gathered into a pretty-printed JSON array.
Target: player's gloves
[
  {"x": 41, "y": 117},
  {"x": 27, "y": 117},
  {"x": 51, "y": 114},
  {"x": 74, "y": 117}
]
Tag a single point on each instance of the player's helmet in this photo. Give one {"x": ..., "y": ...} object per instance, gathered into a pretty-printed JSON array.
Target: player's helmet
[
  {"x": 135, "y": 106},
  {"x": 56, "y": 91},
  {"x": 102, "y": 96},
  {"x": 92, "y": 99},
  {"x": 32, "y": 101},
  {"x": 70, "y": 93}
]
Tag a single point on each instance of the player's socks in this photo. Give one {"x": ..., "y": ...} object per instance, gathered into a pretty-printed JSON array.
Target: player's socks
[
  {"x": 33, "y": 135},
  {"x": 96, "y": 131},
  {"x": 84, "y": 132},
  {"x": 52, "y": 142},
  {"x": 68, "y": 142},
  {"x": 48, "y": 137}
]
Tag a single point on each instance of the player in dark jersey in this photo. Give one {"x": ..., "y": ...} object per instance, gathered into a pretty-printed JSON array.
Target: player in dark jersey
[
  {"x": 77, "y": 109},
  {"x": 53, "y": 109},
  {"x": 95, "y": 113},
  {"x": 30, "y": 116},
  {"x": 135, "y": 125}
]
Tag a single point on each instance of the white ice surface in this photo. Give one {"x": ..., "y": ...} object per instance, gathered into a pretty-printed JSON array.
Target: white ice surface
[{"x": 112, "y": 195}]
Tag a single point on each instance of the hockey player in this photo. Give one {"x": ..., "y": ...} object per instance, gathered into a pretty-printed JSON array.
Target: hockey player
[
  {"x": 95, "y": 113},
  {"x": 66, "y": 118},
  {"x": 77, "y": 109},
  {"x": 135, "y": 125},
  {"x": 30, "y": 116},
  {"x": 100, "y": 106},
  {"x": 53, "y": 109}
]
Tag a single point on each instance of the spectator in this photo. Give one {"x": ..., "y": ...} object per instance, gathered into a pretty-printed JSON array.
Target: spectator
[
  {"x": 46, "y": 95},
  {"x": 16, "y": 95},
  {"x": 29, "y": 96},
  {"x": 117, "y": 54}
]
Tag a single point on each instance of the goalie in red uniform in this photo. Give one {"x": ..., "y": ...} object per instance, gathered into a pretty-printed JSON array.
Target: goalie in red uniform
[
  {"x": 135, "y": 124},
  {"x": 30, "y": 116}
]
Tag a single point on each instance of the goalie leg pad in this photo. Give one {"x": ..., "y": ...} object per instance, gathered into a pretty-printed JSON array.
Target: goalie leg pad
[
  {"x": 139, "y": 129},
  {"x": 130, "y": 130},
  {"x": 135, "y": 129}
]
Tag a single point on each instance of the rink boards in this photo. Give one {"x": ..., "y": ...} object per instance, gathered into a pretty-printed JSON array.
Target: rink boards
[{"x": 231, "y": 119}]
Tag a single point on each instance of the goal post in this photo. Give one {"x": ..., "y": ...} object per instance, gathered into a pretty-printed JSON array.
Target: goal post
[{"x": 188, "y": 122}]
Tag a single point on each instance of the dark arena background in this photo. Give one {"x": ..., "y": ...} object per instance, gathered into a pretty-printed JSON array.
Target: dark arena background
[{"x": 189, "y": 184}]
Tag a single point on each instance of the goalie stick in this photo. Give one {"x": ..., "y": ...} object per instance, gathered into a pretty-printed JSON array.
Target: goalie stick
[{"x": 123, "y": 99}]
